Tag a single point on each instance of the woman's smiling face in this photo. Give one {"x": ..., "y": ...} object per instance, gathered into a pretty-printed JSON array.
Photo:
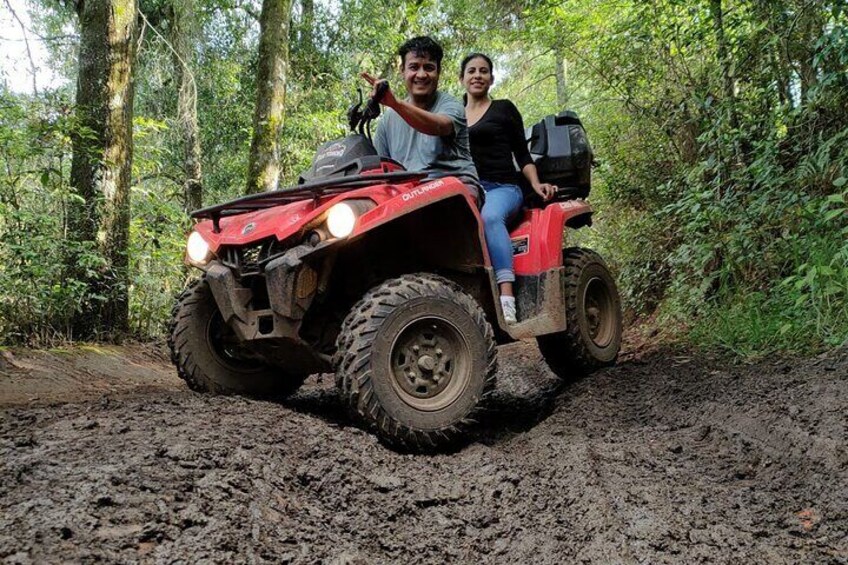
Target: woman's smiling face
[{"x": 477, "y": 77}]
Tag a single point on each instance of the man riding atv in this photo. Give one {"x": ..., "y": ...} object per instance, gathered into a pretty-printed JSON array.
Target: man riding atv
[
  {"x": 427, "y": 133},
  {"x": 382, "y": 275}
]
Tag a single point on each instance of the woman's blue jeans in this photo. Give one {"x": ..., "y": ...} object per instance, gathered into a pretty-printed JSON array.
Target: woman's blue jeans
[{"x": 503, "y": 201}]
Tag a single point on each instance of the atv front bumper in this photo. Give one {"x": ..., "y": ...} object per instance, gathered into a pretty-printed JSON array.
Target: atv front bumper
[{"x": 291, "y": 286}]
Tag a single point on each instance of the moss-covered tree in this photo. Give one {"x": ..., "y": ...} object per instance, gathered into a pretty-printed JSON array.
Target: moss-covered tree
[
  {"x": 183, "y": 33},
  {"x": 102, "y": 163},
  {"x": 264, "y": 161}
]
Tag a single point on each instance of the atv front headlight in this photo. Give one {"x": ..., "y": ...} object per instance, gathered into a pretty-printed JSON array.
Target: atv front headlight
[
  {"x": 198, "y": 249},
  {"x": 341, "y": 218}
]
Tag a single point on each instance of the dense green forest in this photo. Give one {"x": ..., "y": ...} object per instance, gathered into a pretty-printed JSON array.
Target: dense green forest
[{"x": 719, "y": 126}]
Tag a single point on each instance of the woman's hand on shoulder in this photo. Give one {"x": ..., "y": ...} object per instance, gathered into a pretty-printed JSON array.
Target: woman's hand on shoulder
[{"x": 545, "y": 190}]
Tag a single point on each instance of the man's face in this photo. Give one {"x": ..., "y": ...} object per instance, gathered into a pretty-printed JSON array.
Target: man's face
[{"x": 421, "y": 75}]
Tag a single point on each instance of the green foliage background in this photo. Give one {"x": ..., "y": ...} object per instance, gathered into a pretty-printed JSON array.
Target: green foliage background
[{"x": 722, "y": 158}]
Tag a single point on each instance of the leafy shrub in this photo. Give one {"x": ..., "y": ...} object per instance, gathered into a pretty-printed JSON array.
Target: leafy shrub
[
  {"x": 157, "y": 245},
  {"x": 37, "y": 298}
]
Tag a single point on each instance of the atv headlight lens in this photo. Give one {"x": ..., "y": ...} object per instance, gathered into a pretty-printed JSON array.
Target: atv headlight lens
[
  {"x": 341, "y": 219},
  {"x": 197, "y": 248}
]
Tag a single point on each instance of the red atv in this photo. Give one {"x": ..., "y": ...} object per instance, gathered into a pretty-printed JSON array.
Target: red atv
[{"x": 382, "y": 276}]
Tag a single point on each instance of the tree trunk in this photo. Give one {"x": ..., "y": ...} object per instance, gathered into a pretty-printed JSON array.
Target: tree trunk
[
  {"x": 724, "y": 62},
  {"x": 264, "y": 163},
  {"x": 102, "y": 163},
  {"x": 729, "y": 95},
  {"x": 182, "y": 33},
  {"x": 307, "y": 29},
  {"x": 561, "y": 80},
  {"x": 772, "y": 16},
  {"x": 809, "y": 32}
]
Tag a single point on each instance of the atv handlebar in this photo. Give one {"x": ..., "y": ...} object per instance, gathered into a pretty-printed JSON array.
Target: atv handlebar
[
  {"x": 373, "y": 106},
  {"x": 360, "y": 118}
]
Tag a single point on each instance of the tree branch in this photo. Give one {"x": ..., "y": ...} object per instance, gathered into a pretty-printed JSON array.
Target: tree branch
[
  {"x": 250, "y": 11},
  {"x": 161, "y": 175},
  {"x": 529, "y": 86},
  {"x": 183, "y": 63},
  {"x": 45, "y": 37},
  {"x": 33, "y": 68}
]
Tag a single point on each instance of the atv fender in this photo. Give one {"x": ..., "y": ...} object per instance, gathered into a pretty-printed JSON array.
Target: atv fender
[
  {"x": 418, "y": 197},
  {"x": 539, "y": 272},
  {"x": 537, "y": 239}
]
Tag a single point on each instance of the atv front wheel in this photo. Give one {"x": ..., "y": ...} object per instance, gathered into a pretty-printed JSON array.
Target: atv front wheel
[
  {"x": 592, "y": 337},
  {"x": 415, "y": 360},
  {"x": 207, "y": 355}
]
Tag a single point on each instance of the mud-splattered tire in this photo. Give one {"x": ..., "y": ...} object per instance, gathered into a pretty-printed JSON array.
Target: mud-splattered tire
[
  {"x": 200, "y": 349},
  {"x": 416, "y": 361},
  {"x": 592, "y": 338}
]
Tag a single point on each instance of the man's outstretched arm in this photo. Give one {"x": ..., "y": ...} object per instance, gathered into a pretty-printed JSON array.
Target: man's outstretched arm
[{"x": 421, "y": 120}]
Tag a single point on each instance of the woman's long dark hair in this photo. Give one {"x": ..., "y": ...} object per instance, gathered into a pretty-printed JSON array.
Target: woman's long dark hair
[{"x": 467, "y": 60}]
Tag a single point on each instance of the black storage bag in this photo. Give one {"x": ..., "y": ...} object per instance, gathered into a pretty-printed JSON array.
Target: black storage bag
[{"x": 560, "y": 148}]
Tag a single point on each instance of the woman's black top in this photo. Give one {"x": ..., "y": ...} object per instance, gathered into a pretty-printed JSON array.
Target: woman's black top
[{"x": 494, "y": 139}]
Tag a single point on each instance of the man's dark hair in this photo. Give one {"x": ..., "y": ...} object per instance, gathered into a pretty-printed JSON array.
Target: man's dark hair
[{"x": 420, "y": 46}]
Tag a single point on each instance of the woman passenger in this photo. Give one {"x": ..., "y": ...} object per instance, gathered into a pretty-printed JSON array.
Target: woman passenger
[{"x": 496, "y": 135}]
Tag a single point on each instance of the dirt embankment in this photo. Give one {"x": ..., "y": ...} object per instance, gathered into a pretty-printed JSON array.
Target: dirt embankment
[{"x": 664, "y": 459}]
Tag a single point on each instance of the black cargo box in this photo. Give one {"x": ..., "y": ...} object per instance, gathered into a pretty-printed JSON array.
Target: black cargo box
[
  {"x": 560, "y": 148},
  {"x": 342, "y": 157}
]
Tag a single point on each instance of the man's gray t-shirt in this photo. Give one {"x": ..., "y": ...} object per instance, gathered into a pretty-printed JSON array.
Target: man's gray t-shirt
[{"x": 438, "y": 156}]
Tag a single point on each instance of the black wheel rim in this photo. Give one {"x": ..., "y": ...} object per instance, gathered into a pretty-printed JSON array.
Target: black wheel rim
[
  {"x": 430, "y": 364},
  {"x": 225, "y": 347},
  {"x": 599, "y": 312}
]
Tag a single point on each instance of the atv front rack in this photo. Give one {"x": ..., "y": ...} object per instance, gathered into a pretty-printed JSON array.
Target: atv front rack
[{"x": 310, "y": 190}]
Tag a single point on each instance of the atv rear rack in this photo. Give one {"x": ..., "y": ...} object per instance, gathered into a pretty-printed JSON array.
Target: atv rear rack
[{"x": 313, "y": 190}]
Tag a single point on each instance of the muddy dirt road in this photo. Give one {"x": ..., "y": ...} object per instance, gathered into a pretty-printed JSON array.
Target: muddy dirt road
[{"x": 664, "y": 459}]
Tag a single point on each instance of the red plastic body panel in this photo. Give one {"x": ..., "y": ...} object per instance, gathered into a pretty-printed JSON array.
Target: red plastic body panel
[
  {"x": 408, "y": 198},
  {"x": 392, "y": 201},
  {"x": 537, "y": 239}
]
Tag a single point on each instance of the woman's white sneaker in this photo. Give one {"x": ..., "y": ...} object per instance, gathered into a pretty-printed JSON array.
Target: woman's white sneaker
[{"x": 508, "y": 307}]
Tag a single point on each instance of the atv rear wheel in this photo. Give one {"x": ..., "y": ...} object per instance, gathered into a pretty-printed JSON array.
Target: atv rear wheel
[
  {"x": 206, "y": 352},
  {"x": 592, "y": 337},
  {"x": 416, "y": 360}
]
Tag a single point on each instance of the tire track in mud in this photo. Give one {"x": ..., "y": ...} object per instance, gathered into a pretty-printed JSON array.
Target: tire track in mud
[
  {"x": 687, "y": 488},
  {"x": 661, "y": 459}
]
